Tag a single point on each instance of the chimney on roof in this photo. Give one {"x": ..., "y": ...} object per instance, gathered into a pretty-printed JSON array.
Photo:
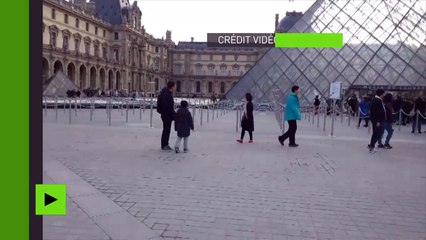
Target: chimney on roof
[
  {"x": 277, "y": 16},
  {"x": 192, "y": 39}
]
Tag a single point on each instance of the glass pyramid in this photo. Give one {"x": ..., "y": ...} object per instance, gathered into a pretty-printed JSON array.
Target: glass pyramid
[{"x": 384, "y": 46}]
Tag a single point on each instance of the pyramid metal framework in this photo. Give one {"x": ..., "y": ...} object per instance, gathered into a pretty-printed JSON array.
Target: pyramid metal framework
[{"x": 384, "y": 46}]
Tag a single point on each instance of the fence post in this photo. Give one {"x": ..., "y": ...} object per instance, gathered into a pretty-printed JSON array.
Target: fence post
[
  {"x": 45, "y": 105},
  {"x": 332, "y": 121},
  {"x": 208, "y": 112},
  {"x": 70, "y": 108},
  {"x": 109, "y": 111},
  {"x": 127, "y": 111},
  {"x": 140, "y": 110},
  {"x": 75, "y": 107},
  {"x": 319, "y": 113},
  {"x": 417, "y": 121},
  {"x": 201, "y": 116},
  {"x": 325, "y": 118},
  {"x": 236, "y": 122},
  {"x": 91, "y": 109},
  {"x": 399, "y": 120},
  {"x": 349, "y": 118},
  {"x": 151, "y": 112},
  {"x": 56, "y": 108}
]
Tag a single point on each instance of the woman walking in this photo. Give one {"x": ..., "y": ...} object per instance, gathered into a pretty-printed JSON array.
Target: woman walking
[
  {"x": 292, "y": 114},
  {"x": 247, "y": 122},
  {"x": 387, "y": 125}
]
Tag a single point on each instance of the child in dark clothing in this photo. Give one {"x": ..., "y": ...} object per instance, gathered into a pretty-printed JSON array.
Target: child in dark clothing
[{"x": 183, "y": 126}]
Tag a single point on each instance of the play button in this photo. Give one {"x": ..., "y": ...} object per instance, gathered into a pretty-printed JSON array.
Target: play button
[{"x": 49, "y": 199}]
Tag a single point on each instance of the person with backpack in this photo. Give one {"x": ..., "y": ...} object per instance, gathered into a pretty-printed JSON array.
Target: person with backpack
[
  {"x": 183, "y": 126},
  {"x": 166, "y": 107},
  {"x": 377, "y": 118}
]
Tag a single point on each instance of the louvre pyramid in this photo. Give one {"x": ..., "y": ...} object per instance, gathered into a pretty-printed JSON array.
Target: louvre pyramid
[{"x": 384, "y": 46}]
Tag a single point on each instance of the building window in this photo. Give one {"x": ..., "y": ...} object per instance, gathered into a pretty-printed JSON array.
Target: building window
[
  {"x": 66, "y": 18},
  {"x": 65, "y": 43},
  {"x": 96, "y": 50},
  {"x": 199, "y": 57},
  {"x": 116, "y": 54},
  {"x": 178, "y": 86},
  {"x": 223, "y": 70},
  {"x": 157, "y": 84},
  {"x": 87, "y": 26},
  {"x": 247, "y": 67},
  {"x": 211, "y": 70},
  {"x": 222, "y": 87},
  {"x": 116, "y": 36},
  {"x": 156, "y": 64},
  {"x": 248, "y": 58},
  {"x": 236, "y": 57},
  {"x": 178, "y": 69},
  {"x": 235, "y": 69},
  {"x": 96, "y": 30},
  {"x": 156, "y": 49},
  {"x": 210, "y": 87},
  {"x": 77, "y": 23},
  {"x": 53, "y": 13},
  {"x": 211, "y": 57},
  {"x": 198, "y": 86},
  {"x": 87, "y": 48},
  {"x": 53, "y": 37},
  {"x": 104, "y": 33},
  {"x": 77, "y": 45},
  {"x": 104, "y": 52},
  {"x": 223, "y": 57},
  {"x": 198, "y": 69}
]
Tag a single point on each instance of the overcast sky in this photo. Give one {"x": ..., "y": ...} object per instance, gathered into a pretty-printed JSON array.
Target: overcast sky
[{"x": 192, "y": 18}]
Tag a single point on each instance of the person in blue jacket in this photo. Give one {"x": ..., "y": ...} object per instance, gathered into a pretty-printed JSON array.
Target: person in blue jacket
[
  {"x": 292, "y": 114},
  {"x": 364, "y": 109}
]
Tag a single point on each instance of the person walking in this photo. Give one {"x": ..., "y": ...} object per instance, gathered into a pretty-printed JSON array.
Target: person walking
[
  {"x": 183, "y": 126},
  {"x": 387, "y": 125},
  {"x": 166, "y": 107},
  {"x": 364, "y": 108},
  {"x": 292, "y": 114},
  {"x": 419, "y": 108},
  {"x": 377, "y": 117},
  {"x": 353, "y": 103},
  {"x": 317, "y": 103},
  {"x": 247, "y": 122}
]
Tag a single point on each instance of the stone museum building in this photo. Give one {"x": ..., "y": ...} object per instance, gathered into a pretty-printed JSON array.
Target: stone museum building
[{"x": 102, "y": 44}]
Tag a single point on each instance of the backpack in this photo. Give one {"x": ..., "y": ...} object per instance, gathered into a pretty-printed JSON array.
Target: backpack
[{"x": 159, "y": 110}]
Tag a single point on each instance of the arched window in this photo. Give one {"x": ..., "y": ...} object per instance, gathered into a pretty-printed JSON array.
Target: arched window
[
  {"x": 178, "y": 86},
  {"x": 235, "y": 69},
  {"x": 222, "y": 87},
  {"x": 157, "y": 84},
  {"x": 210, "y": 87},
  {"x": 198, "y": 86}
]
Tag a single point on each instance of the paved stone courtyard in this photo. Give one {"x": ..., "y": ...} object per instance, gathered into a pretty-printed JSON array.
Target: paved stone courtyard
[{"x": 328, "y": 188}]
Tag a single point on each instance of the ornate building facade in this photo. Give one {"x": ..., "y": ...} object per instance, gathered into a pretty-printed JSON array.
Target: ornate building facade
[
  {"x": 102, "y": 44},
  {"x": 95, "y": 53}
]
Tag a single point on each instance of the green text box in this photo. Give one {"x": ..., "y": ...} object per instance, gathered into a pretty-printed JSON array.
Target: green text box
[{"x": 309, "y": 40}]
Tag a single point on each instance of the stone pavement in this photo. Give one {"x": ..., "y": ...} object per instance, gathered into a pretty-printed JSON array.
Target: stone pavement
[{"x": 328, "y": 188}]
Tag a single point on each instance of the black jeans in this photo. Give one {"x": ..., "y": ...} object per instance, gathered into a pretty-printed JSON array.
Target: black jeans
[
  {"x": 165, "y": 136},
  {"x": 291, "y": 132},
  {"x": 243, "y": 133},
  {"x": 377, "y": 133},
  {"x": 365, "y": 119}
]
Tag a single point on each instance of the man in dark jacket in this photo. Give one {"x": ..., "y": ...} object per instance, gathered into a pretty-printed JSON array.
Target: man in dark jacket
[
  {"x": 419, "y": 108},
  {"x": 166, "y": 107},
  {"x": 377, "y": 117}
]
